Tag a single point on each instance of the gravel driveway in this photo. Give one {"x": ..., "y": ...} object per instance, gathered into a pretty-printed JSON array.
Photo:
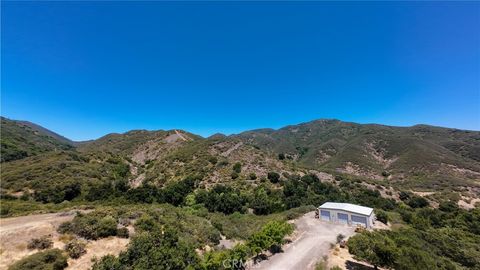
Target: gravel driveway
[{"x": 310, "y": 246}]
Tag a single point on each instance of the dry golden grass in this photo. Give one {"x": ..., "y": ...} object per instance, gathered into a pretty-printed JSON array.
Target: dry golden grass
[{"x": 64, "y": 238}]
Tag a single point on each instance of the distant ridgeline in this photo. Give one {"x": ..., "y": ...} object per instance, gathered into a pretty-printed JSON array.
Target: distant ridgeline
[{"x": 426, "y": 157}]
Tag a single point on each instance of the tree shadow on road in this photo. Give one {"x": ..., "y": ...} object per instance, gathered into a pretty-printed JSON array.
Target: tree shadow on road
[
  {"x": 259, "y": 258},
  {"x": 276, "y": 249}
]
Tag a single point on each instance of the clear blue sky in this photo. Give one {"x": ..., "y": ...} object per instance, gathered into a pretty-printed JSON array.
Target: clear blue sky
[{"x": 91, "y": 68}]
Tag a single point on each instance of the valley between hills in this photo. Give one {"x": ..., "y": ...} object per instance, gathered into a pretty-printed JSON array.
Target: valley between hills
[{"x": 170, "y": 199}]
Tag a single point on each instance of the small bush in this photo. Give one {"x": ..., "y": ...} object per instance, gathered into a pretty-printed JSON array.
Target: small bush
[
  {"x": 122, "y": 232},
  {"x": 65, "y": 238},
  {"x": 237, "y": 167},
  {"x": 340, "y": 237},
  {"x": 322, "y": 265},
  {"x": 48, "y": 259},
  {"x": 252, "y": 176},
  {"x": 155, "y": 250},
  {"x": 108, "y": 262},
  {"x": 382, "y": 217},
  {"x": 40, "y": 243},
  {"x": 65, "y": 227},
  {"x": 273, "y": 177},
  {"x": 90, "y": 226},
  {"x": 107, "y": 227},
  {"x": 418, "y": 202},
  {"x": 75, "y": 249},
  {"x": 146, "y": 223},
  {"x": 213, "y": 160},
  {"x": 291, "y": 215}
]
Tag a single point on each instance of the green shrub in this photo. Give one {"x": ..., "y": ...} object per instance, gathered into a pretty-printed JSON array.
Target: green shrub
[
  {"x": 122, "y": 232},
  {"x": 108, "y": 262},
  {"x": 448, "y": 206},
  {"x": 65, "y": 227},
  {"x": 143, "y": 194},
  {"x": 417, "y": 202},
  {"x": 413, "y": 248},
  {"x": 321, "y": 265},
  {"x": 155, "y": 250},
  {"x": 99, "y": 192},
  {"x": 75, "y": 249},
  {"x": 175, "y": 193},
  {"x": 260, "y": 203},
  {"x": 40, "y": 243},
  {"x": 51, "y": 259},
  {"x": 213, "y": 160},
  {"x": 221, "y": 199},
  {"x": 273, "y": 177},
  {"x": 382, "y": 216},
  {"x": 309, "y": 179},
  {"x": 146, "y": 223},
  {"x": 226, "y": 259},
  {"x": 106, "y": 227},
  {"x": 93, "y": 225},
  {"x": 271, "y": 235},
  {"x": 403, "y": 195},
  {"x": 58, "y": 193},
  {"x": 237, "y": 167},
  {"x": 375, "y": 248}
]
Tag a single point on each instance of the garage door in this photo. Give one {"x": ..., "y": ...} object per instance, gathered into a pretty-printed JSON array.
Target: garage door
[
  {"x": 325, "y": 215},
  {"x": 359, "y": 220},
  {"x": 342, "y": 218}
]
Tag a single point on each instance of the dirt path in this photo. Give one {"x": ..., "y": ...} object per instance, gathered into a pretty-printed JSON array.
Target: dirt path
[
  {"x": 310, "y": 246},
  {"x": 98, "y": 249},
  {"x": 16, "y": 232},
  {"x": 233, "y": 148},
  {"x": 180, "y": 135}
]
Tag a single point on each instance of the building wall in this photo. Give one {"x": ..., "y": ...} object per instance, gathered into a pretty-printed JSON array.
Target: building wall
[{"x": 334, "y": 216}]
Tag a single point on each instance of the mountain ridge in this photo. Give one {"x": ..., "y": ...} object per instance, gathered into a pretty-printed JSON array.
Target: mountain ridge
[
  {"x": 419, "y": 156},
  {"x": 26, "y": 122}
]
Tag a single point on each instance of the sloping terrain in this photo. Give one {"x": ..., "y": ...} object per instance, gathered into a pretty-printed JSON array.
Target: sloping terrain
[
  {"x": 313, "y": 242},
  {"x": 15, "y": 233},
  {"x": 23, "y": 139},
  {"x": 420, "y": 156},
  {"x": 161, "y": 156},
  {"x": 421, "y": 178}
]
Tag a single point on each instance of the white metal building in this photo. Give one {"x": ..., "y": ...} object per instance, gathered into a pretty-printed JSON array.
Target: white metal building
[{"x": 347, "y": 213}]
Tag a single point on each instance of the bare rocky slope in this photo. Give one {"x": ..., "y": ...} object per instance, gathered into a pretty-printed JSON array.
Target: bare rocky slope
[{"x": 418, "y": 157}]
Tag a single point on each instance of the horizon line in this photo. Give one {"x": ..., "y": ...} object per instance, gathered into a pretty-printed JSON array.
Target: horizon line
[{"x": 243, "y": 131}]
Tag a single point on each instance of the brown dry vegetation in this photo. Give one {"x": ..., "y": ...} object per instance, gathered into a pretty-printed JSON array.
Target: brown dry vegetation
[{"x": 15, "y": 233}]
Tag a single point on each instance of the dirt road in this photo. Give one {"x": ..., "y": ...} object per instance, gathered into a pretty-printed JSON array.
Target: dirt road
[
  {"x": 17, "y": 231},
  {"x": 312, "y": 243}
]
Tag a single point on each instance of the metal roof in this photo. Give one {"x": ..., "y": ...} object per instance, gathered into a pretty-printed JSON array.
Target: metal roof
[{"x": 357, "y": 209}]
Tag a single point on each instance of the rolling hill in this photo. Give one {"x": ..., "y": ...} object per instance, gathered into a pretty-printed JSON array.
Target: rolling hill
[
  {"x": 417, "y": 157},
  {"x": 421, "y": 154},
  {"x": 20, "y": 139}
]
